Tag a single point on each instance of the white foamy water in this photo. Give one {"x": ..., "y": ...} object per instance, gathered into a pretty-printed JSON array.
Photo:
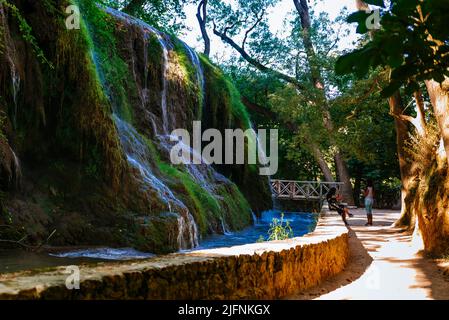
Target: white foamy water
[{"x": 105, "y": 254}]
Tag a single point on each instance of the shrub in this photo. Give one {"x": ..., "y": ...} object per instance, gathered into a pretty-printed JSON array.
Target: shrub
[{"x": 280, "y": 230}]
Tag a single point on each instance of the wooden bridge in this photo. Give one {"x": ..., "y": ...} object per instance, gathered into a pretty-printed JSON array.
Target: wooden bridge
[{"x": 302, "y": 190}]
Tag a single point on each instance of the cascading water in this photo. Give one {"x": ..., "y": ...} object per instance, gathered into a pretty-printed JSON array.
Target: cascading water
[
  {"x": 254, "y": 217},
  {"x": 138, "y": 157},
  {"x": 137, "y": 151},
  {"x": 17, "y": 168},
  {"x": 225, "y": 228},
  {"x": 195, "y": 60},
  {"x": 10, "y": 52},
  {"x": 165, "y": 46},
  {"x": 264, "y": 160}
]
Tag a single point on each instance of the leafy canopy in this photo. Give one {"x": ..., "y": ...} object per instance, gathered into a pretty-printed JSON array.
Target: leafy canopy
[{"x": 413, "y": 42}]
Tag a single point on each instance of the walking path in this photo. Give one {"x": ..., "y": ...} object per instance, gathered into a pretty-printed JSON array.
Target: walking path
[{"x": 383, "y": 265}]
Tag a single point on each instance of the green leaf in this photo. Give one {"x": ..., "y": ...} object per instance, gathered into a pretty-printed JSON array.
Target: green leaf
[
  {"x": 358, "y": 16},
  {"x": 438, "y": 77},
  {"x": 412, "y": 87},
  {"x": 345, "y": 63},
  {"x": 389, "y": 90}
]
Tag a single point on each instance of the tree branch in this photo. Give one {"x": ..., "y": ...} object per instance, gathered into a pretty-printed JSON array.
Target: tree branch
[
  {"x": 201, "y": 15},
  {"x": 261, "y": 67},
  {"x": 258, "y": 20}
]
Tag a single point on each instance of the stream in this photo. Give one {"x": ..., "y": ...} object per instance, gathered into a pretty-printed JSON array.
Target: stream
[{"x": 18, "y": 260}]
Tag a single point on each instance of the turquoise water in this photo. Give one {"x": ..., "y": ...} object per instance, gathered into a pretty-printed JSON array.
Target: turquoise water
[
  {"x": 17, "y": 260},
  {"x": 301, "y": 223}
]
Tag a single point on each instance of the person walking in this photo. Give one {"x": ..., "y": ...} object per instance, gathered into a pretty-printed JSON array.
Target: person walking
[{"x": 369, "y": 201}]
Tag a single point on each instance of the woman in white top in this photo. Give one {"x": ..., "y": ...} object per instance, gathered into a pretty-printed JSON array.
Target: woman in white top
[{"x": 369, "y": 201}]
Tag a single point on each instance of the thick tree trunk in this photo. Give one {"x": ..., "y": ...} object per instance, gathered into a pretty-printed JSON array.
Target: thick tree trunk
[
  {"x": 201, "y": 16},
  {"x": 316, "y": 152},
  {"x": 439, "y": 96},
  {"x": 402, "y": 136},
  {"x": 343, "y": 175},
  {"x": 318, "y": 155},
  {"x": 420, "y": 121},
  {"x": 317, "y": 80}
]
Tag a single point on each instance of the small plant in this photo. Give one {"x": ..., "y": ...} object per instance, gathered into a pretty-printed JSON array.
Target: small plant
[
  {"x": 280, "y": 230},
  {"x": 261, "y": 239},
  {"x": 27, "y": 32}
]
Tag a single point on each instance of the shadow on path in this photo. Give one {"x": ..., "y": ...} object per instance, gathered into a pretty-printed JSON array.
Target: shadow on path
[{"x": 383, "y": 265}]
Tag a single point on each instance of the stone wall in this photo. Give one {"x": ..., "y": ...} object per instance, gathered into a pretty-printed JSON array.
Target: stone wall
[{"x": 267, "y": 270}]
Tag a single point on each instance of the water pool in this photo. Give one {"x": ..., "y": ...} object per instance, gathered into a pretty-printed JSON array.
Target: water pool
[
  {"x": 301, "y": 223},
  {"x": 17, "y": 260}
]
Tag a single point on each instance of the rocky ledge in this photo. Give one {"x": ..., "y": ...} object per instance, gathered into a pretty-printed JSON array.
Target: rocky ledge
[{"x": 268, "y": 270}]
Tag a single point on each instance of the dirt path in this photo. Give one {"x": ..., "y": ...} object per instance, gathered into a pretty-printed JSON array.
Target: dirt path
[{"x": 383, "y": 265}]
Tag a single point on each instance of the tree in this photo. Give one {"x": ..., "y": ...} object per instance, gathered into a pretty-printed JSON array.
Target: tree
[
  {"x": 258, "y": 47},
  {"x": 201, "y": 16},
  {"x": 412, "y": 39},
  {"x": 167, "y": 15},
  {"x": 412, "y": 45}
]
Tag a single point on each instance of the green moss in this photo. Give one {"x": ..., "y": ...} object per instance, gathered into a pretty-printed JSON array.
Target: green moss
[
  {"x": 86, "y": 106},
  {"x": 115, "y": 77},
  {"x": 155, "y": 50},
  {"x": 224, "y": 98},
  {"x": 202, "y": 204},
  {"x": 27, "y": 33},
  {"x": 237, "y": 208}
]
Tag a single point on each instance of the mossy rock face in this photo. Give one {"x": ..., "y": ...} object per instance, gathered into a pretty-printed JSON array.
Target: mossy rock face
[
  {"x": 224, "y": 109},
  {"x": 74, "y": 168},
  {"x": 159, "y": 233}
]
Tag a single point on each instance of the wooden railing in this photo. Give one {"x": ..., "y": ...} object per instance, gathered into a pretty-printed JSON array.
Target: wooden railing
[{"x": 302, "y": 190}]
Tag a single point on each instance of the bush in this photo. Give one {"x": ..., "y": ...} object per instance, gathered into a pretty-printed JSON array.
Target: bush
[{"x": 279, "y": 230}]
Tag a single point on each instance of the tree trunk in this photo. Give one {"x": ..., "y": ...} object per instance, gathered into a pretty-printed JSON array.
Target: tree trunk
[
  {"x": 420, "y": 123},
  {"x": 201, "y": 15},
  {"x": 357, "y": 186},
  {"x": 439, "y": 96},
  {"x": 318, "y": 155},
  {"x": 343, "y": 175},
  {"x": 402, "y": 136},
  {"x": 316, "y": 152},
  {"x": 317, "y": 80}
]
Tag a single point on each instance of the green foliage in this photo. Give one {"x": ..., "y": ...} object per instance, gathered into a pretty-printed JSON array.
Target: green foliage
[
  {"x": 223, "y": 98},
  {"x": 166, "y": 15},
  {"x": 27, "y": 32},
  {"x": 280, "y": 230},
  {"x": 190, "y": 75},
  {"x": 114, "y": 72},
  {"x": 206, "y": 207},
  {"x": 412, "y": 38}
]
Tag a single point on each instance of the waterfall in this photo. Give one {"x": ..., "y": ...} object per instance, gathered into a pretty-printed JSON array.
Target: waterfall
[
  {"x": 10, "y": 53},
  {"x": 254, "y": 217},
  {"x": 146, "y": 28},
  {"x": 195, "y": 60},
  {"x": 262, "y": 154},
  {"x": 17, "y": 173},
  {"x": 224, "y": 228},
  {"x": 137, "y": 152},
  {"x": 164, "y": 85},
  {"x": 139, "y": 158}
]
